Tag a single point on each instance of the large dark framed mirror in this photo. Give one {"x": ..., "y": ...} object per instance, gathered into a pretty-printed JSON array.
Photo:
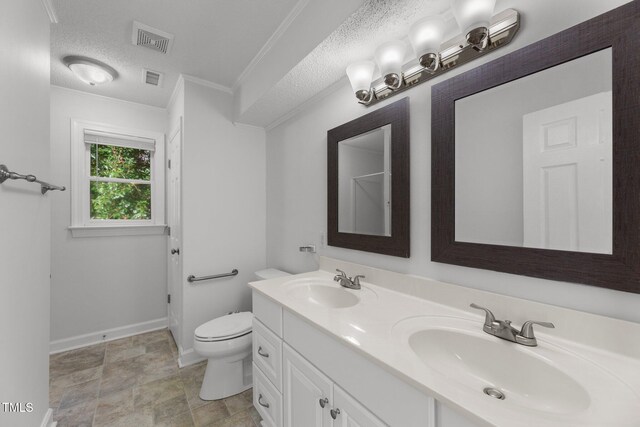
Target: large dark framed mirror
[
  {"x": 536, "y": 158},
  {"x": 368, "y": 182}
]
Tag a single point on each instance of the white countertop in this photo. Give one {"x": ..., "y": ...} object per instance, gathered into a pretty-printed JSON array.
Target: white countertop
[{"x": 371, "y": 328}]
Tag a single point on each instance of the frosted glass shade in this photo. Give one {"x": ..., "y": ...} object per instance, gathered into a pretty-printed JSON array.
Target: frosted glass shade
[
  {"x": 390, "y": 57},
  {"x": 472, "y": 14},
  {"x": 360, "y": 75},
  {"x": 426, "y": 35},
  {"x": 90, "y": 71}
]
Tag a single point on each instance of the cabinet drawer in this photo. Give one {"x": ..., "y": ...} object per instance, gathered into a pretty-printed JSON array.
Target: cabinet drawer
[
  {"x": 266, "y": 399},
  {"x": 269, "y": 312},
  {"x": 267, "y": 353}
]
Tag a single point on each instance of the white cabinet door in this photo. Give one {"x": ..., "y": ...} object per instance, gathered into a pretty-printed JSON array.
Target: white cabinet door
[
  {"x": 304, "y": 388},
  {"x": 348, "y": 412}
]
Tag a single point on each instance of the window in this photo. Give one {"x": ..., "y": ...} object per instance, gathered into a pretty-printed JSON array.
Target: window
[{"x": 117, "y": 181}]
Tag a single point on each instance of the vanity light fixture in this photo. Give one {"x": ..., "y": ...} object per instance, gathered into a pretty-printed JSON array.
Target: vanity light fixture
[
  {"x": 474, "y": 18},
  {"x": 481, "y": 34},
  {"x": 360, "y": 75},
  {"x": 89, "y": 70},
  {"x": 426, "y": 36},
  {"x": 390, "y": 58}
]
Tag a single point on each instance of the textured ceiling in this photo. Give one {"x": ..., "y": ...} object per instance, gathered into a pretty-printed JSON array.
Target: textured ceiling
[
  {"x": 375, "y": 22},
  {"x": 214, "y": 40}
]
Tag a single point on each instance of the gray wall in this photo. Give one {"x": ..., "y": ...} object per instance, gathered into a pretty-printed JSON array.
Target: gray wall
[
  {"x": 297, "y": 176},
  {"x": 100, "y": 283}
]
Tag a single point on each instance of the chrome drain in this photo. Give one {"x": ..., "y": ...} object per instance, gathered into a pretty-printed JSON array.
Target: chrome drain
[{"x": 494, "y": 392}]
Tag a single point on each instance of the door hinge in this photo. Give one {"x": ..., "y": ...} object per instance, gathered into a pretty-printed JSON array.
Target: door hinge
[
  {"x": 168, "y": 231},
  {"x": 169, "y": 163},
  {"x": 169, "y": 299}
]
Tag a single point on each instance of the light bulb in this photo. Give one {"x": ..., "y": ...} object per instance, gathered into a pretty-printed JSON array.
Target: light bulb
[
  {"x": 360, "y": 75},
  {"x": 390, "y": 58},
  {"x": 474, "y": 18},
  {"x": 426, "y": 36}
]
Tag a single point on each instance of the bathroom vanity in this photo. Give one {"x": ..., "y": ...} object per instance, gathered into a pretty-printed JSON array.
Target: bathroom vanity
[{"x": 409, "y": 351}]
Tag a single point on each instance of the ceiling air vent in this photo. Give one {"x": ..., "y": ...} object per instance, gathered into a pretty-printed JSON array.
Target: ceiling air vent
[
  {"x": 152, "y": 78},
  {"x": 151, "y": 38}
]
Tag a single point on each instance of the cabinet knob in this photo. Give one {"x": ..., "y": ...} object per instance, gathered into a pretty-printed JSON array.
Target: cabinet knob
[
  {"x": 335, "y": 413},
  {"x": 266, "y": 405},
  {"x": 323, "y": 402},
  {"x": 262, "y": 353},
  {"x": 175, "y": 251}
]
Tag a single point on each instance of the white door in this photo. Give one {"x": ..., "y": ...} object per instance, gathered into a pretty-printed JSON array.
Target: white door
[
  {"x": 567, "y": 176},
  {"x": 174, "y": 220},
  {"x": 304, "y": 392},
  {"x": 349, "y": 412}
]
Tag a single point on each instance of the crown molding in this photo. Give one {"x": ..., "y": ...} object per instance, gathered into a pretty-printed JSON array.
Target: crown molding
[
  {"x": 48, "y": 7},
  {"x": 206, "y": 83},
  {"x": 278, "y": 33}
]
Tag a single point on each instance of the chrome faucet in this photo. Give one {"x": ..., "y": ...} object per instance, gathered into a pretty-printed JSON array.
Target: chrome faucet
[
  {"x": 503, "y": 329},
  {"x": 348, "y": 282}
]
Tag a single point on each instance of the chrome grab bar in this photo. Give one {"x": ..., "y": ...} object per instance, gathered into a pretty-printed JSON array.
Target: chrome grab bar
[
  {"x": 193, "y": 278},
  {"x": 5, "y": 174}
]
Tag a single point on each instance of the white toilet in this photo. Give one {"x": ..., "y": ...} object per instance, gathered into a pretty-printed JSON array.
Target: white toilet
[{"x": 226, "y": 342}]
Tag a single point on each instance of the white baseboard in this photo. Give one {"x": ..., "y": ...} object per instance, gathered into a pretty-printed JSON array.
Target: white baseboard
[
  {"x": 78, "y": 341},
  {"x": 188, "y": 357},
  {"x": 47, "y": 421}
]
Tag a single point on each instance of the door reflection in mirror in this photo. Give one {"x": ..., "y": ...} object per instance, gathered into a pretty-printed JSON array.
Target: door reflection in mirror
[
  {"x": 534, "y": 160},
  {"x": 364, "y": 183}
]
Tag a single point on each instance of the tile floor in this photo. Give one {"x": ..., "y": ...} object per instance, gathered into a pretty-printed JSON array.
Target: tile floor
[{"x": 136, "y": 382}]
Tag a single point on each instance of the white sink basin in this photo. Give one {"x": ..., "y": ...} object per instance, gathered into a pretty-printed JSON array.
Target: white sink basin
[
  {"x": 326, "y": 293},
  {"x": 546, "y": 380},
  {"x": 521, "y": 376}
]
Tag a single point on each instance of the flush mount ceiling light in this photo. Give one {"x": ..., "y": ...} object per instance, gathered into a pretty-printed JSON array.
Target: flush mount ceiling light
[
  {"x": 481, "y": 33},
  {"x": 89, "y": 70}
]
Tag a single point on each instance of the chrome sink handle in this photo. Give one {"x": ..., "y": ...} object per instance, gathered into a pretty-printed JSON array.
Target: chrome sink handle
[
  {"x": 356, "y": 281},
  {"x": 527, "y": 328},
  {"x": 489, "y": 319},
  {"x": 340, "y": 276}
]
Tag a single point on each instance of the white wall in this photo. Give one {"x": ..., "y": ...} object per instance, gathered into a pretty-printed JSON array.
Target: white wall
[
  {"x": 224, "y": 207},
  {"x": 100, "y": 283},
  {"x": 297, "y": 176},
  {"x": 24, "y": 212}
]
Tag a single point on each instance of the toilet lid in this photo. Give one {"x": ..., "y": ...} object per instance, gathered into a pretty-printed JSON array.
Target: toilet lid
[{"x": 225, "y": 327}]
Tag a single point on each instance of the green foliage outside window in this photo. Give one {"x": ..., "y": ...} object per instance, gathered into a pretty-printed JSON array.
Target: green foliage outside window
[{"x": 120, "y": 200}]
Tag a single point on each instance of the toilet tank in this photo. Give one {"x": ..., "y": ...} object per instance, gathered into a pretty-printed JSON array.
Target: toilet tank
[{"x": 270, "y": 273}]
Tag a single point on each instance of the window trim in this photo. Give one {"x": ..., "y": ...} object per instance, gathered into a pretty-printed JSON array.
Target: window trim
[{"x": 81, "y": 223}]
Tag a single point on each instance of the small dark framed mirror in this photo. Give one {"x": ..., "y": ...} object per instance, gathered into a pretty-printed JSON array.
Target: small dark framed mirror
[
  {"x": 368, "y": 182},
  {"x": 535, "y": 158}
]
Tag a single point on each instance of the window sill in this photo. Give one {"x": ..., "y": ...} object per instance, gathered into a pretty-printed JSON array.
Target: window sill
[{"x": 118, "y": 230}]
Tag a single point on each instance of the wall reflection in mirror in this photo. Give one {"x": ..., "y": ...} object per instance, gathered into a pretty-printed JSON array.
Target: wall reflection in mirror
[
  {"x": 364, "y": 183},
  {"x": 534, "y": 160}
]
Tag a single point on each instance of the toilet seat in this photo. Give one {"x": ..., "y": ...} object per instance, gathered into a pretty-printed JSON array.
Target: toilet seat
[{"x": 225, "y": 328}]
